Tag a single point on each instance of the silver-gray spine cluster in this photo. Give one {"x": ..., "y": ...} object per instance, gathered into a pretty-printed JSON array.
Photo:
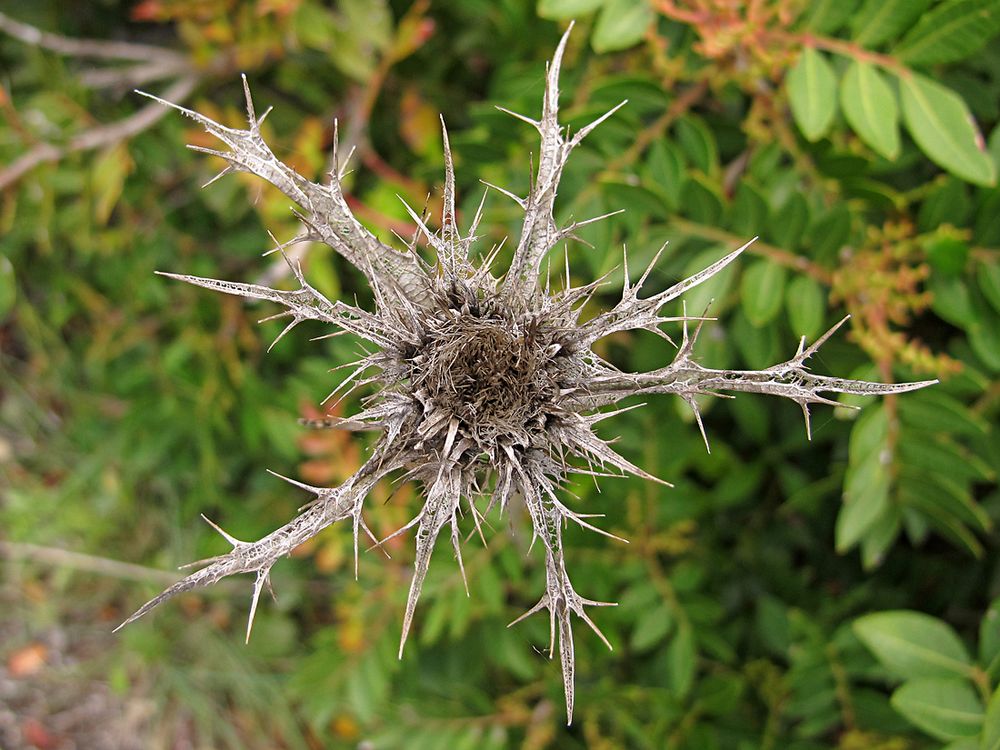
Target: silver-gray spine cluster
[{"x": 488, "y": 387}]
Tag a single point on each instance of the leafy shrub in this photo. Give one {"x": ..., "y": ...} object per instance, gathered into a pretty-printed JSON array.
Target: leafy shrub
[{"x": 741, "y": 585}]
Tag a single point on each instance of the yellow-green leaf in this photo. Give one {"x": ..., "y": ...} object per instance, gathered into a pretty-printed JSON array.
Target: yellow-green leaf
[
  {"x": 942, "y": 125},
  {"x": 8, "y": 289},
  {"x": 567, "y": 9},
  {"x": 914, "y": 645},
  {"x": 991, "y": 724},
  {"x": 870, "y": 108},
  {"x": 806, "y": 306},
  {"x": 952, "y": 31},
  {"x": 762, "y": 290},
  {"x": 880, "y": 20},
  {"x": 945, "y": 709},
  {"x": 621, "y": 24},
  {"x": 866, "y": 482},
  {"x": 109, "y": 172},
  {"x": 681, "y": 661},
  {"x": 812, "y": 93}
]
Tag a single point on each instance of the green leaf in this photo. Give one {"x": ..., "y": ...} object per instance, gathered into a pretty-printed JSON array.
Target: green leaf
[
  {"x": 947, "y": 255},
  {"x": 966, "y": 743},
  {"x": 931, "y": 410},
  {"x": 881, "y": 20},
  {"x": 984, "y": 336},
  {"x": 653, "y": 626},
  {"x": 8, "y": 286},
  {"x": 812, "y": 93},
  {"x": 681, "y": 661},
  {"x": 913, "y": 645},
  {"x": 762, "y": 291},
  {"x": 772, "y": 625},
  {"x": 697, "y": 142},
  {"x": 749, "y": 211},
  {"x": 987, "y": 228},
  {"x": 870, "y": 108},
  {"x": 941, "y": 124},
  {"x": 865, "y": 502},
  {"x": 952, "y": 31},
  {"x": 567, "y": 9},
  {"x": 951, "y": 300},
  {"x": 827, "y": 16},
  {"x": 988, "y": 276},
  {"x": 945, "y": 709},
  {"x": 665, "y": 167},
  {"x": 830, "y": 231},
  {"x": 940, "y": 455},
  {"x": 866, "y": 482},
  {"x": 991, "y": 724},
  {"x": 790, "y": 222},
  {"x": 806, "y": 305},
  {"x": 948, "y": 496},
  {"x": 621, "y": 24},
  {"x": 869, "y": 435},
  {"x": 879, "y": 537},
  {"x": 701, "y": 201},
  {"x": 938, "y": 511},
  {"x": 637, "y": 198},
  {"x": 946, "y": 203},
  {"x": 108, "y": 174},
  {"x": 989, "y": 635}
]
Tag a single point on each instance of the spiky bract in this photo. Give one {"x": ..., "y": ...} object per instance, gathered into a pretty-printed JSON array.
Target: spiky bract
[{"x": 488, "y": 388}]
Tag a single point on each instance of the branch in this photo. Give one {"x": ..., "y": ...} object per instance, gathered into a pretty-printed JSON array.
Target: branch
[
  {"x": 102, "y": 135},
  {"x": 99, "y": 48},
  {"x": 88, "y": 563},
  {"x": 790, "y": 379},
  {"x": 330, "y": 506},
  {"x": 327, "y": 214},
  {"x": 539, "y": 233}
]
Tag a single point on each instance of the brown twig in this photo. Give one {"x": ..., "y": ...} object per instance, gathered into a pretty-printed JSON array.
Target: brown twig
[
  {"x": 102, "y": 135},
  {"x": 99, "y": 48},
  {"x": 87, "y": 563},
  {"x": 678, "y": 107},
  {"x": 839, "y": 47},
  {"x": 776, "y": 254}
]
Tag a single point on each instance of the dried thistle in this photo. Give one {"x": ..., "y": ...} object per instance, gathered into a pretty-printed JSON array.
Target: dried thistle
[{"x": 489, "y": 388}]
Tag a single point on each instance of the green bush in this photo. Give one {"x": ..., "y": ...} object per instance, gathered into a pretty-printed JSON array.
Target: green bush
[{"x": 786, "y": 593}]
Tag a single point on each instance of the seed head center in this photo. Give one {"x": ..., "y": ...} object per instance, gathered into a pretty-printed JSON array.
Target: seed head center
[{"x": 492, "y": 375}]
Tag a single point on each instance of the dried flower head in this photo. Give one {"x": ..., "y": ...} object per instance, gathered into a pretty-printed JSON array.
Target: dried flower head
[{"x": 488, "y": 386}]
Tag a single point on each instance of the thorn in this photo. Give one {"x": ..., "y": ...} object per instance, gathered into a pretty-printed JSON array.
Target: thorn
[
  {"x": 587, "y": 129},
  {"x": 625, "y": 283},
  {"x": 821, "y": 340},
  {"x": 649, "y": 268},
  {"x": 246, "y": 92},
  {"x": 209, "y": 151},
  {"x": 225, "y": 535},
  {"x": 307, "y": 487},
  {"x": 258, "y": 586},
  {"x": 228, "y": 170},
  {"x": 534, "y": 123},
  {"x": 281, "y": 335},
  {"x": 697, "y": 417},
  {"x": 805, "y": 414},
  {"x": 458, "y": 553},
  {"x": 516, "y": 199}
]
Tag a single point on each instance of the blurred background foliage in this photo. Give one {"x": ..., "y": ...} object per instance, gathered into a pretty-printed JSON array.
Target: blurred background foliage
[{"x": 786, "y": 594}]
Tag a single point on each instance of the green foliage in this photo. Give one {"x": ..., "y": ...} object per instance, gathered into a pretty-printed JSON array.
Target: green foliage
[{"x": 785, "y": 594}]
